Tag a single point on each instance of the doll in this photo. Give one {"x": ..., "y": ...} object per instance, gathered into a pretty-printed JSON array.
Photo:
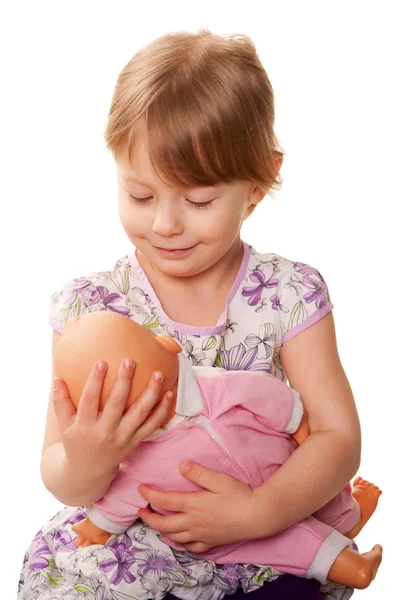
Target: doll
[{"x": 239, "y": 422}]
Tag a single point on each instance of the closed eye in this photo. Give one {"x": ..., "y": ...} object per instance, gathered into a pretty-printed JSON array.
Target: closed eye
[
  {"x": 140, "y": 200},
  {"x": 195, "y": 205}
]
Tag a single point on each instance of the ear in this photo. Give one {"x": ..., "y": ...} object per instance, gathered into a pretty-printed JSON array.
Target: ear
[
  {"x": 256, "y": 196},
  {"x": 169, "y": 344},
  {"x": 278, "y": 161}
]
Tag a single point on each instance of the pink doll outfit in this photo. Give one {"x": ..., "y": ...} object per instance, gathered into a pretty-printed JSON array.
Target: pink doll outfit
[{"x": 238, "y": 423}]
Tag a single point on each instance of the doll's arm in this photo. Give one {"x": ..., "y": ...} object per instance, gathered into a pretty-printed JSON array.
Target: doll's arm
[
  {"x": 113, "y": 513},
  {"x": 273, "y": 402}
]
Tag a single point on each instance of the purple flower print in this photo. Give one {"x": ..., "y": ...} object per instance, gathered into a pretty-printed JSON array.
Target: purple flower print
[
  {"x": 263, "y": 342},
  {"x": 77, "y": 516},
  {"x": 240, "y": 359},
  {"x": 255, "y": 292},
  {"x": 63, "y": 541},
  {"x": 319, "y": 291},
  {"x": 181, "y": 338},
  {"x": 109, "y": 299},
  {"x": 307, "y": 270},
  {"x": 195, "y": 356},
  {"x": 275, "y": 260},
  {"x": 39, "y": 560},
  {"x": 155, "y": 565},
  {"x": 101, "y": 593},
  {"x": 231, "y": 325},
  {"x": 228, "y": 578},
  {"x": 275, "y": 301},
  {"x": 123, "y": 561}
]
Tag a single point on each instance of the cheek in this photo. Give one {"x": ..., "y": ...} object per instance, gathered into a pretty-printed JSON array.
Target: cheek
[
  {"x": 133, "y": 221},
  {"x": 220, "y": 227}
]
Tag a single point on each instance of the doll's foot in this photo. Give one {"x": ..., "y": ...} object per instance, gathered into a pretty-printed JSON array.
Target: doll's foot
[
  {"x": 356, "y": 570},
  {"x": 367, "y": 573},
  {"x": 366, "y": 495}
]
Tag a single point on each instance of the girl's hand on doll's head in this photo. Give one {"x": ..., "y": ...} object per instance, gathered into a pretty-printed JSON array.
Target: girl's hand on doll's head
[
  {"x": 223, "y": 511},
  {"x": 96, "y": 441}
]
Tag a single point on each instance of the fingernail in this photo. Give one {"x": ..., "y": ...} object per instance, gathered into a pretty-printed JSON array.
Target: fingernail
[
  {"x": 129, "y": 364},
  {"x": 169, "y": 396},
  {"x": 101, "y": 365},
  {"x": 185, "y": 466},
  {"x": 158, "y": 376},
  {"x": 56, "y": 384}
]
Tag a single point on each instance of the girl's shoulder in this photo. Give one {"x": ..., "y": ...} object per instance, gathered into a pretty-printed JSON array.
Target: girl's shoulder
[
  {"x": 293, "y": 294},
  {"x": 118, "y": 290}
]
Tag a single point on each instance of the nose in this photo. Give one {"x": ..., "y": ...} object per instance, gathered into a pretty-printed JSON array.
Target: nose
[{"x": 167, "y": 219}]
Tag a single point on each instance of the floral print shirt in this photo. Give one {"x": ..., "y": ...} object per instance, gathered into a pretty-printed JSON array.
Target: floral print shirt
[{"x": 271, "y": 300}]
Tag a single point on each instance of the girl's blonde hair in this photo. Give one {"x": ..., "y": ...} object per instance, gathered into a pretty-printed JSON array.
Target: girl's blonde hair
[{"x": 206, "y": 106}]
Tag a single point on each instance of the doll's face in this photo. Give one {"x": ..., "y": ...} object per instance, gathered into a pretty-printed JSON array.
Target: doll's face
[{"x": 113, "y": 337}]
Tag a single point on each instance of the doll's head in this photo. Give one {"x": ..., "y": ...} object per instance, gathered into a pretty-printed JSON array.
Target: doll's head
[{"x": 112, "y": 337}]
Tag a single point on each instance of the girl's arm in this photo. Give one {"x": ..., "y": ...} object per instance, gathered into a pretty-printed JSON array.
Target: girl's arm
[
  {"x": 314, "y": 473},
  {"x": 330, "y": 456},
  {"x": 82, "y": 448}
]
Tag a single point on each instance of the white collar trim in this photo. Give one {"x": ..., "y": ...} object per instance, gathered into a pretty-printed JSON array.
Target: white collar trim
[{"x": 189, "y": 401}]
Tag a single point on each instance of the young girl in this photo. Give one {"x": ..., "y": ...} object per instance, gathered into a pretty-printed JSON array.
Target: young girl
[{"x": 191, "y": 130}]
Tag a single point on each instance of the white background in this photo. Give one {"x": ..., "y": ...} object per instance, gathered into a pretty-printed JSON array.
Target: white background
[{"x": 334, "y": 68}]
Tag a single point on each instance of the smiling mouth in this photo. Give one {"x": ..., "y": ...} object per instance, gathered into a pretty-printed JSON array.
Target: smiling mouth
[{"x": 173, "y": 249}]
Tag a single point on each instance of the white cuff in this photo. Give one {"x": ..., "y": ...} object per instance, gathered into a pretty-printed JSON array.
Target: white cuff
[
  {"x": 98, "y": 519},
  {"x": 297, "y": 413},
  {"x": 328, "y": 552}
]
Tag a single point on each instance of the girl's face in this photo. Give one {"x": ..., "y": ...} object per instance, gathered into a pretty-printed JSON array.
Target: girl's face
[{"x": 182, "y": 232}]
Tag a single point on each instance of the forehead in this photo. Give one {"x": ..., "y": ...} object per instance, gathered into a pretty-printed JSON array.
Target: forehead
[{"x": 135, "y": 165}]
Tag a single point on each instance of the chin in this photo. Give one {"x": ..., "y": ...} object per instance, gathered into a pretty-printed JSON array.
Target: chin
[{"x": 177, "y": 269}]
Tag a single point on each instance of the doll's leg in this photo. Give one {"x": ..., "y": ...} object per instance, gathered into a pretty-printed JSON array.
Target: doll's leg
[
  {"x": 351, "y": 509},
  {"x": 307, "y": 549}
]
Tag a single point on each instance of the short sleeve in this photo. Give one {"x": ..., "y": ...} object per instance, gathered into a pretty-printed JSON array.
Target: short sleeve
[
  {"x": 76, "y": 298},
  {"x": 302, "y": 298},
  {"x": 101, "y": 291}
]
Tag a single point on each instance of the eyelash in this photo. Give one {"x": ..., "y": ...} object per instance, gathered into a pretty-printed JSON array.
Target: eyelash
[{"x": 196, "y": 205}]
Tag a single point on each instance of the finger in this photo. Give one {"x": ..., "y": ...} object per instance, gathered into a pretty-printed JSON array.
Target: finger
[
  {"x": 212, "y": 481},
  {"x": 63, "y": 406},
  {"x": 116, "y": 402},
  {"x": 140, "y": 410},
  {"x": 182, "y": 537},
  {"x": 197, "y": 547},
  {"x": 88, "y": 408},
  {"x": 154, "y": 420},
  {"x": 172, "y": 501},
  {"x": 165, "y": 523}
]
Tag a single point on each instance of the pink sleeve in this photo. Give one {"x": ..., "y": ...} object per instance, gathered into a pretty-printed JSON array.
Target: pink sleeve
[
  {"x": 278, "y": 405},
  {"x": 118, "y": 507}
]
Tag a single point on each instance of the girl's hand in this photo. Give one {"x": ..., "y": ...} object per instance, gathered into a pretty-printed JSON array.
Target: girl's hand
[
  {"x": 224, "y": 511},
  {"x": 96, "y": 442}
]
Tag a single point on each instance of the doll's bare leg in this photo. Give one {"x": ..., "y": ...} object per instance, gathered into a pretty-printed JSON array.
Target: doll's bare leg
[
  {"x": 356, "y": 570},
  {"x": 366, "y": 495}
]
